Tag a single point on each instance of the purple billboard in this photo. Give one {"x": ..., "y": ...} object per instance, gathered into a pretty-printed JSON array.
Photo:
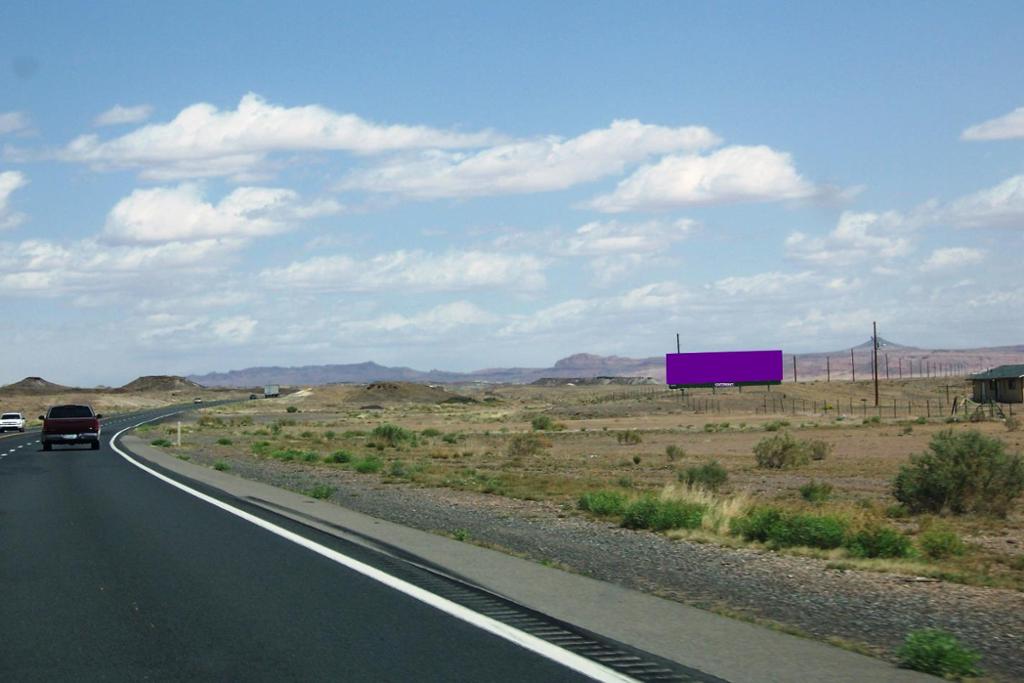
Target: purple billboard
[{"x": 723, "y": 368}]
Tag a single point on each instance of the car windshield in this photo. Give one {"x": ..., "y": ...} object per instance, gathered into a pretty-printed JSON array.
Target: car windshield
[
  {"x": 58, "y": 412},
  {"x": 10, "y": 416}
]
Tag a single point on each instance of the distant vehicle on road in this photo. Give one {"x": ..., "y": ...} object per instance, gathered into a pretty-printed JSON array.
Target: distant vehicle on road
[
  {"x": 70, "y": 424},
  {"x": 197, "y": 400},
  {"x": 14, "y": 422},
  {"x": 253, "y": 397},
  {"x": 271, "y": 391}
]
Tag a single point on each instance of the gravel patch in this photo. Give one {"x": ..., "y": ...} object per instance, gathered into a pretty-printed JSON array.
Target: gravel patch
[{"x": 875, "y": 610}]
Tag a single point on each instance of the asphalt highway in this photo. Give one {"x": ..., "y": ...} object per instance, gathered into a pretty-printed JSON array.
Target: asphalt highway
[{"x": 109, "y": 573}]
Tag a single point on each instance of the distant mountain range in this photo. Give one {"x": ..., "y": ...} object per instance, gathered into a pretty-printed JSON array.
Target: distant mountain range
[{"x": 837, "y": 364}]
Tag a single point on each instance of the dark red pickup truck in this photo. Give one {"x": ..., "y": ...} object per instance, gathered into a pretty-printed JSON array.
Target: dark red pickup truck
[{"x": 70, "y": 424}]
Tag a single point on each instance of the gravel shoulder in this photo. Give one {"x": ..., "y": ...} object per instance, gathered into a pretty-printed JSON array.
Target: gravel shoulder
[{"x": 870, "y": 611}]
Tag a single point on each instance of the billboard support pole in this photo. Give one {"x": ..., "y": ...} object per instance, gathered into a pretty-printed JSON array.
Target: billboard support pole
[
  {"x": 677, "y": 343},
  {"x": 874, "y": 357},
  {"x": 853, "y": 368},
  {"x": 828, "y": 369}
]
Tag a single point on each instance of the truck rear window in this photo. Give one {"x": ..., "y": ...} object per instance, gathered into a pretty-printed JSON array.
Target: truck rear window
[
  {"x": 10, "y": 416},
  {"x": 69, "y": 411}
]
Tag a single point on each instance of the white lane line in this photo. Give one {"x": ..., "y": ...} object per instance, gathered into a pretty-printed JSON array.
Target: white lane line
[{"x": 543, "y": 648}]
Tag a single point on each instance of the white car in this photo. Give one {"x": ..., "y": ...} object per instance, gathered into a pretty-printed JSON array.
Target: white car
[{"x": 14, "y": 422}]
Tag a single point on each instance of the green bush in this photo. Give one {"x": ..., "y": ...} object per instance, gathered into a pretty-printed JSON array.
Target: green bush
[
  {"x": 818, "y": 449},
  {"x": 398, "y": 470},
  {"x": 674, "y": 452},
  {"x": 650, "y": 513},
  {"x": 629, "y": 437},
  {"x": 937, "y": 652},
  {"x": 527, "y": 444},
  {"x": 163, "y": 443},
  {"x": 781, "y": 451},
  {"x": 339, "y": 457},
  {"x": 329, "y": 434},
  {"x": 783, "y": 529},
  {"x": 541, "y": 423},
  {"x": 224, "y": 441},
  {"x": 710, "y": 475},
  {"x": 321, "y": 492},
  {"x": 604, "y": 503},
  {"x": 816, "y": 492},
  {"x": 961, "y": 472},
  {"x": 922, "y": 420},
  {"x": 391, "y": 435},
  {"x": 292, "y": 409},
  {"x": 775, "y": 425},
  {"x": 939, "y": 542},
  {"x": 287, "y": 454},
  {"x": 310, "y": 456},
  {"x": 878, "y": 541},
  {"x": 260, "y": 447},
  {"x": 430, "y": 432},
  {"x": 221, "y": 466},
  {"x": 450, "y": 438},
  {"x": 873, "y": 420},
  {"x": 368, "y": 465}
]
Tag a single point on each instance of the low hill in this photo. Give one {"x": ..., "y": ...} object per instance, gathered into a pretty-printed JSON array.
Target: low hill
[
  {"x": 34, "y": 385},
  {"x": 160, "y": 383}
]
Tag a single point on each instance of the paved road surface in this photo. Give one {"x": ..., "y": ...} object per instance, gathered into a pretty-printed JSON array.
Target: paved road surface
[{"x": 107, "y": 573}]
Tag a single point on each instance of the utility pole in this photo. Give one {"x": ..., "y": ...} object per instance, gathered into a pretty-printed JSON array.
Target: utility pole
[
  {"x": 874, "y": 357},
  {"x": 853, "y": 368},
  {"x": 828, "y": 369},
  {"x": 886, "y": 366},
  {"x": 900, "y": 359},
  {"x": 794, "y": 368}
]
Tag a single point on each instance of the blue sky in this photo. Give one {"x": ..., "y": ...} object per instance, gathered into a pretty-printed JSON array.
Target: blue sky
[{"x": 206, "y": 186}]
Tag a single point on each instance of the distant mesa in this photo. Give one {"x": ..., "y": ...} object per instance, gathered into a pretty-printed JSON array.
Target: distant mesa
[
  {"x": 34, "y": 385},
  {"x": 160, "y": 383}
]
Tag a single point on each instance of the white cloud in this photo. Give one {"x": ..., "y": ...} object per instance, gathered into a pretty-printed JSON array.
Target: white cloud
[
  {"x": 1000, "y": 128},
  {"x": 999, "y": 206},
  {"x": 204, "y": 141},
  {"x": 234, "y": 330},
  {"x": 14, "y": 122},
  {"x": 10, "y": 181},
  {"x": 181, "y": 213},
  {"x": 856, "y": 237},
  {"x": 438, "y": 320},
  {"x": 609, "y": 238},
  {"x": 410, "y": 271},
  {"x": 953, "y": 257},
  {"x": 118, "y": 115},
  {"x": 763, "y": 284},
  {"x": 538, "y": 165},
  {"x": 731, "y": 174}
]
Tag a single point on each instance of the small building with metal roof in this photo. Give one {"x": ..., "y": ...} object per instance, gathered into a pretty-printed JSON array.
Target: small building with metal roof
[{"x": 1004, "y": 384}]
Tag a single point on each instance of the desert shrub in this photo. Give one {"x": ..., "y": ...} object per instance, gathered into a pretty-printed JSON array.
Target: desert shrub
[
  {"x": 921, "y": 420},
  {"x": 398, "y": 469},
  {"x": 604, "y": 503},
  {"x": 221, "y": 466},
  {"x": 710, "y": 475},
  {"x": 756, "y": 524},
  {"x": 775, "y": 425},
  {"x": 813, "y": 531},
  {"x": 541, "y": 423},
  {"x": 163, "y": 443},
  {"x": 816, "y": 492},
  {"x": 450, "y": 438},
  {"x": 781, "y": 451},
  {"x": 878, "y": 541},
  {"x": 527, "y": 444},
  {"x": 310, "y": 456},
  {"x": 898, "y": 511},
  {"x": 260, "y": 447},
  {"x": 368, "y": 465},
  {"x": 292, "y": 409},
  {"x": 659, "y": 515},
  {"x": 1012, "y": 424},
  {"x": 352, "y": 434},
  {"x": 210, "y": 421},
  {"x": 938, "y": 542},
  {"x": 965, "y": 472},
  {"x": 261, "y": 432},
  {"x": 783, "y": 529},
  {"x": 224, "y": 441},
  {"x": 818, "y": 449},
  {"x": 339, "y": 457},
  {"x": 430, "y": 432},
  {"x": 637, "y": 459},
  {"x": 674, "y": 452},
  {"x": 321, "y": 492},
  {"x": 287, "y": 454},
  {"x": 907, "y": 430},
  {"x": 245, "y": 421},
  {"x": 937, "y": 652},
  {"x": 710, "y": 427},
  {"x": 873, "y": 420},
  {"x": 629, "y": 437},
  {"x": 391, "y": 435},
  {"x": 329, "y": 434}
]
